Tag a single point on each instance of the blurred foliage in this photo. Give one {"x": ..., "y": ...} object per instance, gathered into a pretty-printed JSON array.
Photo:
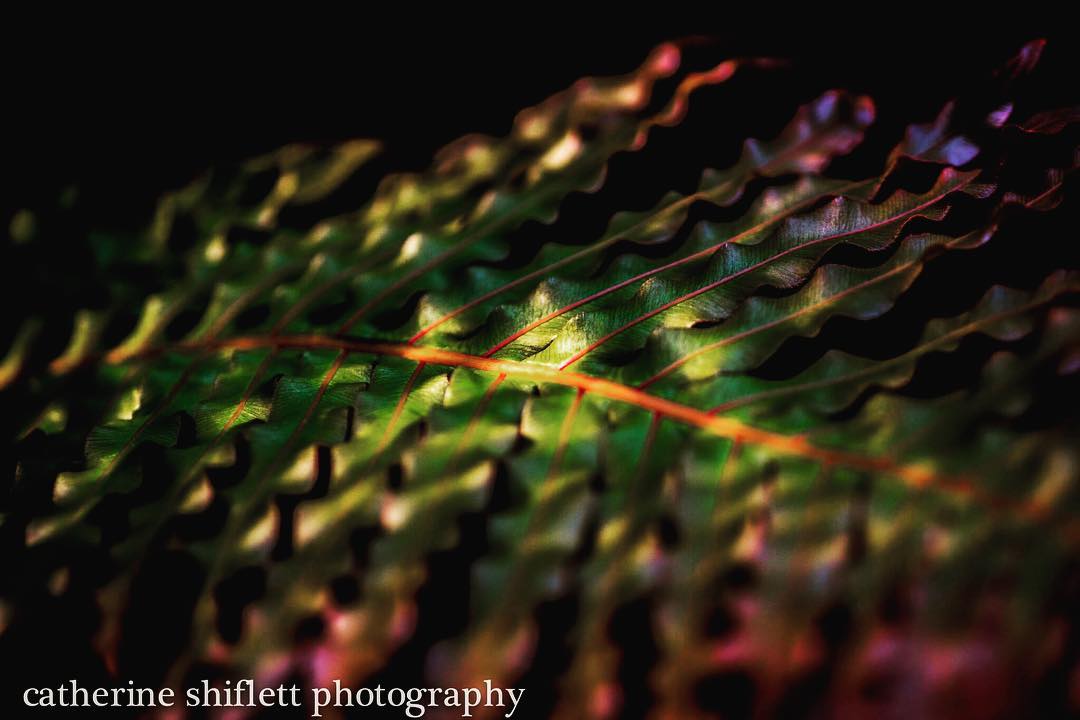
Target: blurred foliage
[{"x": 479, "y": 428}]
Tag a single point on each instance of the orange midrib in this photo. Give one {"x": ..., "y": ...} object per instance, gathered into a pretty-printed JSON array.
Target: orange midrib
[{"x": 727, "y": 427}]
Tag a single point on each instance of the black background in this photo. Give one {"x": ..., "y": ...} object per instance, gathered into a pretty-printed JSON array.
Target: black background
[{"x": 126, "y": 113}]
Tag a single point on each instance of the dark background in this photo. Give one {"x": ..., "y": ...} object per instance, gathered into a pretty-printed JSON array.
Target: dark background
[{"x": 127, "y": 112}]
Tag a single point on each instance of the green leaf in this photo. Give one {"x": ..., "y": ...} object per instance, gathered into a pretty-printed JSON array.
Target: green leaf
[{"x": 360, "y": 397}]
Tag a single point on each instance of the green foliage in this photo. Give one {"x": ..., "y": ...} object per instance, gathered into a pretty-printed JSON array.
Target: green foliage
[{"x": 599, "y": 401}]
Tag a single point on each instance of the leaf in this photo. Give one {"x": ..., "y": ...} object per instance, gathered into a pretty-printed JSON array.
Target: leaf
[{"x": 456, "y": 395}]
